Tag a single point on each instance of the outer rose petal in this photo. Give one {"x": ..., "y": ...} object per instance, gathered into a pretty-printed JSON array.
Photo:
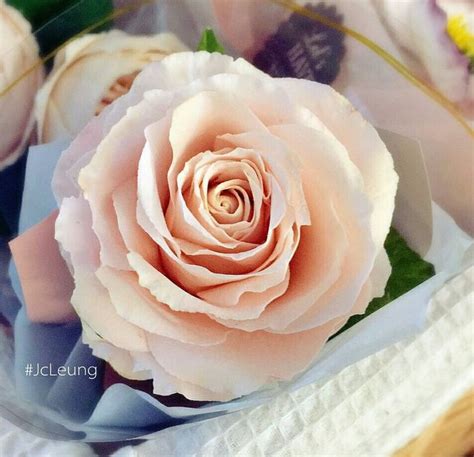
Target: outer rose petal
[
  {"x": 135, "y": 239},
  {"x": 136, "y": 305},
  {"x": 336, "y": 172},
  {"x": 92, "y": 303},
  {"x": 167, "y": 384},
  {"x": 168, "y": 292},
  {"x": 122, "y": 360},
  {"x": 90, "y": 299},
  {"x": 243, "y": 363},
  {"x": 183, "y": 69},
  {"x": 362, "y": 142},
  {"x": 114, "y": 162}
]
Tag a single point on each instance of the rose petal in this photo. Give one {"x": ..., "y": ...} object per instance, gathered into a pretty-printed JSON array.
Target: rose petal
[
  {"x": 343, "y": 183},
  {"x": 92, "y": 303},
  {"x": 314, "y": 268},
  {"x": 90, "y": 299},
  {"x": 362, "y": 143},
  {"x": 243, "y": 363},
  {"x": 135, "y": 238},
  {"x": 122, "y": 360},
  {"x": 116, "y": 161},
  {"x": 137, "y": 306},
  {"x": 170, "y": 293}
]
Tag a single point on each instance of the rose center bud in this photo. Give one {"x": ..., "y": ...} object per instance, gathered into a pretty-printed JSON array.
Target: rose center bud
[
  {"x": 228, "y": 192},
  {"x": 120, "y": 87},
  {"x": 229, "y": 202}
]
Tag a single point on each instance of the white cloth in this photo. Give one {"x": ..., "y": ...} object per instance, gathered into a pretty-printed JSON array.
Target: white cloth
[{"x": 371, "y": 408}]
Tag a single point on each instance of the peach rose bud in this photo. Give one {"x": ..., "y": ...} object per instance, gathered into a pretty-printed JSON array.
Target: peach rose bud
[{"x": 219, "y": 226}]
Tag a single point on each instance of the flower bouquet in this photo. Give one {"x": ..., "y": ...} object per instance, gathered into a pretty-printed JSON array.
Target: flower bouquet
[{"x": 199, "y": 233}]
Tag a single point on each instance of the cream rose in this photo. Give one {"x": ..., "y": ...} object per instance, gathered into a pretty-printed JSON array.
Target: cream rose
[
  {"x": 220, "y": 225},
  {"x": 18, "y": 55},
  {"x": 90, "y": 73}
]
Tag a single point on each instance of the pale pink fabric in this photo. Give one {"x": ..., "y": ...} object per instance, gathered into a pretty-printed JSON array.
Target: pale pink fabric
[{"x": 220, "y": 225}]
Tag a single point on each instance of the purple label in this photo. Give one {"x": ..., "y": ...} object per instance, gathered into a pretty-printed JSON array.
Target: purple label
[{"x": 304, "y": 48}]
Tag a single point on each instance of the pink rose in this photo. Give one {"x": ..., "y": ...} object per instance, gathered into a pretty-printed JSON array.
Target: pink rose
[{"x": 220, "y": 225}]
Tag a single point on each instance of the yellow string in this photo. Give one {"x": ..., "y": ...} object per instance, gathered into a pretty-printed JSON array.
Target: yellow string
[
  {"x": 115, "y": 14},
  {"x": 392, "y": 61}
]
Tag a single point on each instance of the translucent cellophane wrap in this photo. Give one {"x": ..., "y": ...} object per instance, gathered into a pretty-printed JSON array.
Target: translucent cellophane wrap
[{"x": 347, "y": 44}]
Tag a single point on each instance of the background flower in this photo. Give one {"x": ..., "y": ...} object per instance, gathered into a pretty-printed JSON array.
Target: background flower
[
  {"x": 437, "y": 38},
  {"x": 91, "y": 72},
  {"x": 18, "y": 54}
]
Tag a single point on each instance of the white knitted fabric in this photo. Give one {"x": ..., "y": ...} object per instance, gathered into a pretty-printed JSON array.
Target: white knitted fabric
[{"x": 371, "y": 408}]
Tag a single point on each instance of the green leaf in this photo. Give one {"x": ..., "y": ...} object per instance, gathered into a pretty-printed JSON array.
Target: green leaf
[
  {"x": 408, "y": 271},
  {"x": 55, "y": 21},
  {"x": 38, "y": 12},
  {"x": 209, "y": 42}
]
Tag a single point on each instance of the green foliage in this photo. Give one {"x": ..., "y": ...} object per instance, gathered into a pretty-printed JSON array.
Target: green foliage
[
  {"x": 209, "y": 42},
  {"x": 55, "y": 21},
  {"x": 408, "y": 271}
]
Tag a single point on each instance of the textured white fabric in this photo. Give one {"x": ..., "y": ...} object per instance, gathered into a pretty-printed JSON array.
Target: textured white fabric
[
  {"x": 17, "y": 443},
  {"x": 370, "y": 409}
]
